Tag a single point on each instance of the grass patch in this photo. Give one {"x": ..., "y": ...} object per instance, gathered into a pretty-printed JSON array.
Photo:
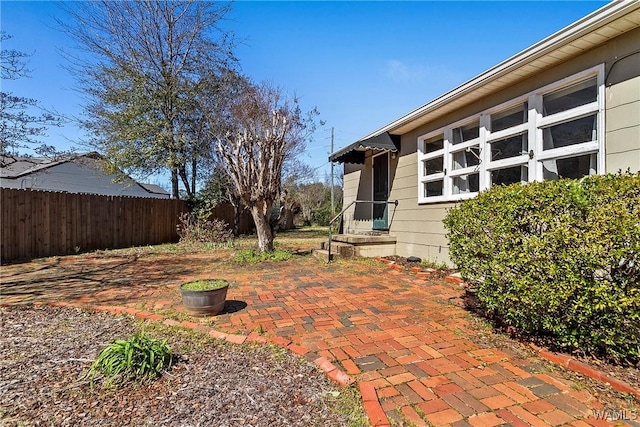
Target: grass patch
[
  {"x": 253, "y": 255},
  {"x": 205, "y": 285},
  {"x": 434, "y": 264},
  {"x": 348, "y": 402},
  {"x": 304, "y": 238}
]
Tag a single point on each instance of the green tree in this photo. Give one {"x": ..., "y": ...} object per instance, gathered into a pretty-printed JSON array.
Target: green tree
[
  {"x": 147, "y": 61},
  {"x": 22, "y": 120}
]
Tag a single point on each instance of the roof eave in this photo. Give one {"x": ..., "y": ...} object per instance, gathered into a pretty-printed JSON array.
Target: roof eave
[{"x": 559, "y": 39}]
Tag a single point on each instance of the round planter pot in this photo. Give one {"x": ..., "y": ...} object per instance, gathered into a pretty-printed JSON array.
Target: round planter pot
[{"x": 204, "y": 303}]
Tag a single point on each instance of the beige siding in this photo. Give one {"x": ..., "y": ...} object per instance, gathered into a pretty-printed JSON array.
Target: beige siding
[
  {"x": 622, "y": 133},
  {"x": 418, "y": 228},
  {"x": 357, "y": 182}
]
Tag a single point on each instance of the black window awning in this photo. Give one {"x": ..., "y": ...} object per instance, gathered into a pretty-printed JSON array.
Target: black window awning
[{"x": 354, "y": 153}]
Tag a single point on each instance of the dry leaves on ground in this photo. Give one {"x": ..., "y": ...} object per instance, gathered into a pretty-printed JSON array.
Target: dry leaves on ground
[{"x": 45, "y": 351}]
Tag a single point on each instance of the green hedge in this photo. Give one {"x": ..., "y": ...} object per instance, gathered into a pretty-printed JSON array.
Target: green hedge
[{"x": 557, "y": 260}]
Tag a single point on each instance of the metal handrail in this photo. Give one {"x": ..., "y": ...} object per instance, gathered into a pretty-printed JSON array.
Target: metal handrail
[{"x": 373, "y": 202}]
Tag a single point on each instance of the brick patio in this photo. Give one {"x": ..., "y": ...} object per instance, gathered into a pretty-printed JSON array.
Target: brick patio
[{"x": 404, "y": 338}]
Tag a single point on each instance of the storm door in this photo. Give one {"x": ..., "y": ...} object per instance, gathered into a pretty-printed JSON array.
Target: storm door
[{"x": 381, "y": 191}]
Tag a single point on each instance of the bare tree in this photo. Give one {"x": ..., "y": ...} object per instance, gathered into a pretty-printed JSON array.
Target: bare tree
[
  {"x": 22, "y": 120},
  {"x": 258, "y": 129},
  {"x": 147, "y": 60},
  {"x": 311, "y": 197}
]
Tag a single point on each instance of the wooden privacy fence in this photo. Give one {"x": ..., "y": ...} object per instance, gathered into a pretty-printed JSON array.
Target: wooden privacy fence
[
  {"x": 43, "y": 223},
  {"x": 225, "y": 212}
]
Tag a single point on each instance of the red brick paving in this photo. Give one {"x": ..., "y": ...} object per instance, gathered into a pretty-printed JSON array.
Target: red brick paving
[{"x": 408, "y": 331}]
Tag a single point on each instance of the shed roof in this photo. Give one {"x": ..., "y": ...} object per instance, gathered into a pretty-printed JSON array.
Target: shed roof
[{"x": 354, "y": 153}]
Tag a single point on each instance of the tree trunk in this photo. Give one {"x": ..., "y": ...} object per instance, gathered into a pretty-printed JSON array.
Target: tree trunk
[
  {"x": 237, "y": 212},
  {"x": 185, "y": 180},
  {"x": 174, "y": 182},
  {"x": 263, "y": 228},
  {"x": 194, "y": 165},
  {"x": 238, "y": 207}
]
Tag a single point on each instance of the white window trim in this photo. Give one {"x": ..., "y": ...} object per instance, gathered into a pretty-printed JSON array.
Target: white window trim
[
  {"x": 533, "y": 128},
  {"x": 422, "y": 156}
]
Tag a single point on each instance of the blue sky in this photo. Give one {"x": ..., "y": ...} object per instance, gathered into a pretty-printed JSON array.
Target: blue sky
[{"x": 362, "y": 64}]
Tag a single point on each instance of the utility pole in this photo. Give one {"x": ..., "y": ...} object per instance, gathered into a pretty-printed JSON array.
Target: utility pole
[{"x": 332, "y": 205}]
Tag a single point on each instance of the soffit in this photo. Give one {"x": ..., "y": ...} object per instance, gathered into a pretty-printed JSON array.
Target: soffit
[{"x": 506, "y": 74}]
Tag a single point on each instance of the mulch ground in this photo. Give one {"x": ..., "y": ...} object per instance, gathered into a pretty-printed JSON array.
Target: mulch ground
[{"x": 44, "y": 352}]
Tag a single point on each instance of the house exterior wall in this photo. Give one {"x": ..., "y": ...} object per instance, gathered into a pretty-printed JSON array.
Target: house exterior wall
[
  {"x": 418, "y": 227},
  {"x": 77, "y": 178},
  {"x": 358, "y": 186},
  {"x": 352, "y": 175},
  {"x": 622, "y": 101}
]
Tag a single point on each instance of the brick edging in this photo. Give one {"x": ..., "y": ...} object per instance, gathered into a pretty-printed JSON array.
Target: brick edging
[
  {"x": 372, "y": 407},
  {"x": 572, "y": 364}
]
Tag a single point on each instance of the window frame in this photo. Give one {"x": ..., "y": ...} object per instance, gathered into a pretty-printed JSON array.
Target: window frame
[
  {"x": 533, "y": 128},
  {"x": 422, "y": 157}
]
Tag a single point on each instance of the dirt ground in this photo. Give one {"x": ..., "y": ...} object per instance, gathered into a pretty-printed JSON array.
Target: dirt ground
[{"x": 44, "y": 352}]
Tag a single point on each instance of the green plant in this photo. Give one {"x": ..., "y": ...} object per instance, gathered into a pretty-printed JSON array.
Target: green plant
[
  {"x": 559, "y": 260},
  {"x": 434, "y": 264},
  {"x": 253, "y": 255},
  {"x": 205, "y": 285},
  {"x": 139, "y": 358},
  {"x": 348, "y": 402},
  {"x": 197, "y": 226}
]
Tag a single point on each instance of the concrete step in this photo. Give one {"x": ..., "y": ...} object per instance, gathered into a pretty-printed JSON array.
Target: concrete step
[
  {"x": 323, "y": 254},
  {"x": 362, "y": 245},
  {"x": 344, "y": 250},
  {"x": 365, "y": 239}
]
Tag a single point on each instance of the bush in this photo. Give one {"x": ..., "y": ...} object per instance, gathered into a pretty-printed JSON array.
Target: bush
[
  {"x": 139, "y": 359},
  {"x": 322, "y": 215},
  {"x": 196, "y": 227},
  {"x": 557, "y": 260}
]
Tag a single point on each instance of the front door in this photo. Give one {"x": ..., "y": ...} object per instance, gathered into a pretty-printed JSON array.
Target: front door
[{"x": 381, "y": 191}]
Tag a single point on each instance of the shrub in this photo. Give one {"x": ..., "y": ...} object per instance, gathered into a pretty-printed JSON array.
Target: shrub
[
  {"x": 557, "y": 260},
  {"x": 196, "y": 227},
  {"x": 323, "y": 215},
  {"x": 140, "y": 359}
]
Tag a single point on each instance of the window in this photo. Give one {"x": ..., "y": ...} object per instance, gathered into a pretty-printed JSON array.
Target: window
[
  {"x": 570, "y": 120},
  {"x": 570, "y": 167},
  {"x": 434, "y": 165},
  {"x": 433, "y": 188},
  {"x": 554, "y": 132},
  {"x": 509, "y": 118},
  {"x": 508, "y": 147},
  {"x": 465, "y": 133},
  {"x": 570, "y": 133},
  {"x": 433, "y": 169},
  {"x": 508, "y": 176},
  {"x": 570, "y": 97}
]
